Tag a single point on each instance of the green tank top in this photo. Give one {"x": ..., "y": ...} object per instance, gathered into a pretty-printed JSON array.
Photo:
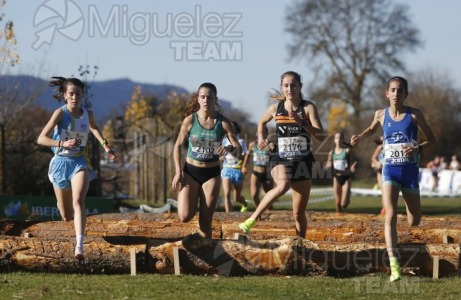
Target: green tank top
[
  {"x": 204, "y": 143},
  {"x": 260, "y": 157},
  {"x": 341, "y": 161}
]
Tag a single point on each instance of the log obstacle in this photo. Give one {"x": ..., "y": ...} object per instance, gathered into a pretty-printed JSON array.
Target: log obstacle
[
  {"x": 336, "y": 244},
  {"x": 295, "y": 256}
]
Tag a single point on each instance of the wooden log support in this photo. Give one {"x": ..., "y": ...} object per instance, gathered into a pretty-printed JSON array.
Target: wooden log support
[
  {"x": 445, "y": 239},
  {"x": 435, "y": 267},
  {"x": 133, "y": 261},
  {"x": 176, "y": 261}
]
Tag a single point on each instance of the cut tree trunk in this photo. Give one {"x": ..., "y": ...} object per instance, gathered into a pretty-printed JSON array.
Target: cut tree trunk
[
  {"x": 57, "y": 256},
  {"x": 321, "y": 227},
  {"x": 338, "y": 244},
  {"x": 170, "y": 228},
  {"x": 295, "y": 256}
]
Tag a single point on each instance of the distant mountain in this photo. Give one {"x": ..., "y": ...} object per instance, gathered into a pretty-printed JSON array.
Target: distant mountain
[{"x": 108, "y": 97}]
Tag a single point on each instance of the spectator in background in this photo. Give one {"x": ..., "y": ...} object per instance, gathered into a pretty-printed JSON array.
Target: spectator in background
[
  {"x": 454, "y": 163},
  {"x": 434, "y": 166},
  {"x": 443, "y": 163}
]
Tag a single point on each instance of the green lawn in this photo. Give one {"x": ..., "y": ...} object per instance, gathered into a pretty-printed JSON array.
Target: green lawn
[{"x": 54, "y": 286}]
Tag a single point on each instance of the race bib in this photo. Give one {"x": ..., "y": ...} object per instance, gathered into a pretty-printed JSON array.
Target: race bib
[
  {"x": 292, "y": 147},
  {"x": 395, "y": 154},
  {"x": 260, "y": 159},
  {"x": 204, "y": 149},
  {"x": 340, "y": 164},
  {"x": 230, "y": 161},
  {"x": 80, "y": 136}
]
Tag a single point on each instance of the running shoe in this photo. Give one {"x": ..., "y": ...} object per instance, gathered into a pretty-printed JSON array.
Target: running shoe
[
  {"x": 245, "y": 206},
  {"x": 395, "y": 269},
  {"x": 247, "y": 225},
  {"x": 79, "y": 254}
]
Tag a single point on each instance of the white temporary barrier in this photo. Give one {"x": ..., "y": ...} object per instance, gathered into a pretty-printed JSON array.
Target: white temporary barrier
[{"x": 448, "y": 185}]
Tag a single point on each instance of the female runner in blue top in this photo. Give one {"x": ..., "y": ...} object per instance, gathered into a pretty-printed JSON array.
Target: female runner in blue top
[
  {"x": 400, "y": 163},
  {"x": 70, "y": 169}
]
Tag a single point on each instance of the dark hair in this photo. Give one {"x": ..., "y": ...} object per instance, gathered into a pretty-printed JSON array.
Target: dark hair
[
  {"x": 277, "y": 95},
  {"x": 402, "y": 81},
  {"x": 61, "y": 86},
  {"x": 210, "y": 86},
  {"x": 343, "y": 137},
  {"x": 192, "y": 103},
  {"x": 237, "y": 128},
  {"x": 378, "y": 140}
]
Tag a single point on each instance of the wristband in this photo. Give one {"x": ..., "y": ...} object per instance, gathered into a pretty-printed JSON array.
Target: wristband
[
  {"x": 104, "y": 142},
  {"x": 59, "y": 144}
]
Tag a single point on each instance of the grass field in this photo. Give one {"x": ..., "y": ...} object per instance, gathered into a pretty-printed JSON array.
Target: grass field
[
  {"x": 59, "y": 286},
  {"x": 19, "y": 285}
]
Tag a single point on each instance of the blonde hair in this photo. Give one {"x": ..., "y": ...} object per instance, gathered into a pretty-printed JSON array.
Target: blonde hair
[{"x": 277, "y": 95}]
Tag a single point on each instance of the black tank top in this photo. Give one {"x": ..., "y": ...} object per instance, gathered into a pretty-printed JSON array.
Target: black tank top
[{"x": 293, "y": 141}]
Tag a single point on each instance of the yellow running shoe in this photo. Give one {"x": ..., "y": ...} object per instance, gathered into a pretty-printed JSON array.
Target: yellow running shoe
[
  {"x": 247, "y": 225},
  {"x": 245, "y": 206},
  {"x": 395, "y": 269}
]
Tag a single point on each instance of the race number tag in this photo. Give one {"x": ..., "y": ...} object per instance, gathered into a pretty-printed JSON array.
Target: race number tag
[
  {"x": 204, "y": 149},
  {"x": 230, "y": 160},
  {"x": 260, "y": 159},
  {"x": 395, "y": 153},
  {"x": 292, "y": 147},
  {"x": 340, "y": 164},
  {"x": 79, "y": 136}
]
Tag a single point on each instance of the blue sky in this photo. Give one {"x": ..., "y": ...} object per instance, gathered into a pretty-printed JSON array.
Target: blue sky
[{"x": 246, "y": 38}]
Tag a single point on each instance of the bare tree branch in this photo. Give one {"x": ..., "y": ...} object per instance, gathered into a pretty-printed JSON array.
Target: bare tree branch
[{"x": 354, "y": 42}]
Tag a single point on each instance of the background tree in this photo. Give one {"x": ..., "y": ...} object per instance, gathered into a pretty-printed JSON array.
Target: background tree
[
  {"x": 8, "y": 54},
  {"x": 338, "y": 118},
  {"x": 350, "y": 44},
  {"x": 138, "y": 108},
  {"x": 171, "y": 111},
  {"x": 27, "y": 163},
  {"x": 436, "y": 95}
]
